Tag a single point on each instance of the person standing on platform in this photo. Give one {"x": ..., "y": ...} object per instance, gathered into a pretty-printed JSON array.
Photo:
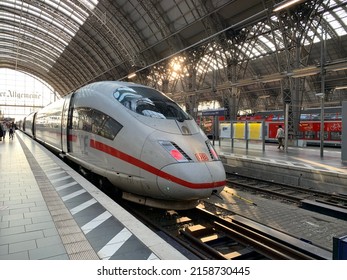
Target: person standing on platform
[
  {"x": 1, "y": 132},
  {"x": 11, "y": 132},
  {"x": 4, "y": 130},
  {"x": 280, "y": 137}
]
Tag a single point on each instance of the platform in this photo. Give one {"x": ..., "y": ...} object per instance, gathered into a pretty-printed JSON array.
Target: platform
[
  {"x": 48, "y": 211},
  {"x": 297, "y": 166}
]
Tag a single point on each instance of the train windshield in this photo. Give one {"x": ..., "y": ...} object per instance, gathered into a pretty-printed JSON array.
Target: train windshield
[{"x": 149, "y": 102}]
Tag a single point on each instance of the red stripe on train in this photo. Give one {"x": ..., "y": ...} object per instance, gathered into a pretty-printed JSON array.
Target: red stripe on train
[{"x": 149, "y": 168}]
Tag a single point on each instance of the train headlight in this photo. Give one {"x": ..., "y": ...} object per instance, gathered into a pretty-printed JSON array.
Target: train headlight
[{"x": 176, "y": 152}]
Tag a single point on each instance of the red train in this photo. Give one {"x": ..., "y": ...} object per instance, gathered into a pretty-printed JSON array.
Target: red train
[{"x": 309, "y": 128}]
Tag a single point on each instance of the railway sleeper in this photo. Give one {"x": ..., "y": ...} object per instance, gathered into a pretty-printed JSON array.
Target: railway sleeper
[{"x": 217, "y": 244}]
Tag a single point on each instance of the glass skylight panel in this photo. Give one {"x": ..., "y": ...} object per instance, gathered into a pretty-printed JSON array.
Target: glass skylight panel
[
  {"x": 68, "y": 11},
  {"x": 51, "y": 3},
  {"x": 274, "y": 18},
  {"x": 7, "y": 56},
  {"x": 342, "y": 17},
  {"x": 205, "y": 59},
  {"x": 213, "y": 64},
  {"x": 33, "y": 11},
  {"x": 47, "y": 59},
  {"x": 334, "y": 18},
  {"x": 47, "y": 18},
  {"x": 67, "y": 30},
  {"x": 7, "y": 36},
  {"x": 33, "y": 38},
  {"x": 59, "y": 5},
  {"x": 6, "y": 44},
  {"x": 63, "y": 28},
  {"x": 258, "y": 49},
  {"x": 244, "y": 49},
  {"x": 29, "y": 30},
  {"x": 8, "y": 17},
  {"x": 278, "y": 38},
  {"x": 90, "y": 4},
  {"x": 267, "y": 27},
  {"x": 56, "y": 37},
  {"x": 246, "y": 52},
  {"x": 40, "y": 66},
  {"x": 340, "y": 31},
  {"x": 257, "y": 52},
  {"x": 267, "y": 42},
  {"x": 311, "y": 35},
  {"x": 27, "y": 23},
  {"x": 200, "y": 70},
  {"x": 76, "y": 19},
  {"x": 341, "y": 13},
  {"x": 41, "y": 29}
]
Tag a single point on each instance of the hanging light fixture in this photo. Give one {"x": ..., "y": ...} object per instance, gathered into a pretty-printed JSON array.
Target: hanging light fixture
[{"x": 285, "y": 4}]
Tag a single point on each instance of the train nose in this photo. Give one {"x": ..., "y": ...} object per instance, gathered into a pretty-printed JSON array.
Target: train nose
[{"x": 188, "y": 181}]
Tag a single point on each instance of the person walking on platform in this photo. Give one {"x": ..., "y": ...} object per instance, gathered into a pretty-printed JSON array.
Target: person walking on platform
[
  {"x": 280, "y": 137},
  {"x": 11, "y": 132}
]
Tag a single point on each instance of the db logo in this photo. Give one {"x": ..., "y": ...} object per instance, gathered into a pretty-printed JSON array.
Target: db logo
[{"x": 201, "y": 157}]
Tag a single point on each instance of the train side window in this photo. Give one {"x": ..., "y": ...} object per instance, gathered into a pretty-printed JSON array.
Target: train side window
[
  {"x": 310, "y": 134},
  {"x": 300, "y": 134},
  {"x": 104, "y": 125},
  {"x": 95, "y": 122},
  {"x": 329, "y": 116},
  {"x": 335, "y": 135},
  {"x": 98, "y": 119},
  {"x": 74, "y": 116},
  {"x": 110, "y": 129},
  {"x": 75, "y": 119},
  {"x": 82, "y": 119},
  {"x": 326, "y": 134}
]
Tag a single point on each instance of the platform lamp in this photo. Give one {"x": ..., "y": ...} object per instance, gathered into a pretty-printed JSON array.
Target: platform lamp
[
  {"x": 286, "y": 4},
  {"x": 321, "y": 137},
  {"x": 287, "y": 101},
  {"x": 131, "y": 75},
  {"x": 322, "y": 93}
]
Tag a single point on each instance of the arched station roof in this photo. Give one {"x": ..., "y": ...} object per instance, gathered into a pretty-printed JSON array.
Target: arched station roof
[{"x": 226, "y": 46}]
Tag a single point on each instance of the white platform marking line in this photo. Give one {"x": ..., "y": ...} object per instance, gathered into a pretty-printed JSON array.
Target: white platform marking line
[
  {"x": 46, "y": 163},
  {"x": 82, "y": 206},
  {"x": 56, "y": 173},
  {"x": 95, "y": 222},
  {"x": 51, "y": 169},
  {"x": 152, "y": 257},
  {"x": 72, "y": 195},
  {"x": 66, "y": 186},
  {"x": 60, "y": 179},
  {"x": 114, "y": 244}
]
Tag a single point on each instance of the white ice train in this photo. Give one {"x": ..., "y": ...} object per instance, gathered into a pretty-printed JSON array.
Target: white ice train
[{"x": 137, "y": 138}]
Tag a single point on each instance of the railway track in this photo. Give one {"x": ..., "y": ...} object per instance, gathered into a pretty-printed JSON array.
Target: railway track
[
  {"x": 208, "y": 235},
  {"x": 331, "y": 203}
]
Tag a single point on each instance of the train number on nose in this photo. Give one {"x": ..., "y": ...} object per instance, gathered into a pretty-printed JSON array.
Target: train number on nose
[{"x": 201, "y": 157}]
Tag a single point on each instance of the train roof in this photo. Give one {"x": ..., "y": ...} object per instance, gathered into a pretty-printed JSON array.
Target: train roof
[
  {"x": 336, "y": 109},
  {"x": 113, "y": 84}
]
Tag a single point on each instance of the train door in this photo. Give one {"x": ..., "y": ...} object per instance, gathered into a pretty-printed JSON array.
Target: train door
[
  {"x": 66, "y": 120},
  {"x": 33, "y": 126}
]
